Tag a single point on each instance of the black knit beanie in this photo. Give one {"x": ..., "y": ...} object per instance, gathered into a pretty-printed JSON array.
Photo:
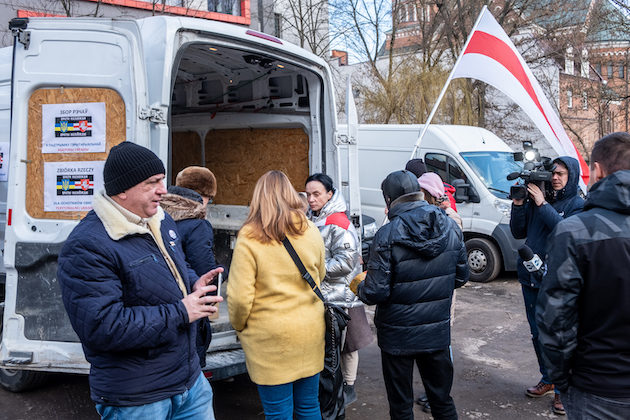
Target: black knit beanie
[
  {"x": 417, "y": 167},
  {"x": 127, "y": 165}
]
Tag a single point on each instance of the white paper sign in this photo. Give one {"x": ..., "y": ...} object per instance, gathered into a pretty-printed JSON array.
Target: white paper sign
[
  {"x": 70, "y": 186},
  {"x": 4, "y": 161},
  {"x": 73, "y": 128}
]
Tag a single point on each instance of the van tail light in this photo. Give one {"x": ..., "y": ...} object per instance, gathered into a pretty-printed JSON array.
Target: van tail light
[
  {"x": 9, "y": 214},
  {"x": 263, "y": 36}
]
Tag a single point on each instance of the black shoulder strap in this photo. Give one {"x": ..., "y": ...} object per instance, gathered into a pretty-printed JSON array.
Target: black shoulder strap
[{"x": 305, "y": 274}]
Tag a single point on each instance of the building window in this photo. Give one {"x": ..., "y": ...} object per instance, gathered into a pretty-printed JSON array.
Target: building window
[
  {"x": 621, "y": 72},
  {"x": 229, "y": 7},
  {"x": 277, "y": 25},
  {"x": 598, "y": 69},
  {"x": 584, "y": 100},
  {"x": 610, "y": 70},
  {"x": 568, "y": 61},
  {"x": 569, "y": 99}
]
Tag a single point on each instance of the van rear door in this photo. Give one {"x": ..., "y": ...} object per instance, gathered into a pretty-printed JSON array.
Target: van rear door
[{"x": 78, "y": 86}]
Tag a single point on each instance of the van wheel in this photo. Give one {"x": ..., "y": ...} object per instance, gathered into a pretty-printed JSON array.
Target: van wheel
[
  {"x": 483, "y": 260},
  {"x": 15, "y": 380}
]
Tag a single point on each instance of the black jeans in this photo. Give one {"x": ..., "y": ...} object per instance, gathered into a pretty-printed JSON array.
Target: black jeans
[{"x": 436, "y": 370}]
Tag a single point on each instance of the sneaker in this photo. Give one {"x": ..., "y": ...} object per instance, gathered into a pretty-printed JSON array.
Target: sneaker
[
  {"x": 557, "y": 406},
  {"x": 539, "y": 390},
  {"x": 349, "y": 394}
]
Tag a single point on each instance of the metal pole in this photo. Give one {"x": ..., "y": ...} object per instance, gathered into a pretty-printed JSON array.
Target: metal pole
[{"x": 448, "y": 81}]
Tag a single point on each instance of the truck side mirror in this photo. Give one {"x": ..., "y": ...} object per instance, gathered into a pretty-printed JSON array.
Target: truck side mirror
[{"x": 465, "y": 192}]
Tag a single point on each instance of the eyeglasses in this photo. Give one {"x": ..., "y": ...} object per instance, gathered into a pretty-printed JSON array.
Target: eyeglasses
[{"x": 560, "y": 173}]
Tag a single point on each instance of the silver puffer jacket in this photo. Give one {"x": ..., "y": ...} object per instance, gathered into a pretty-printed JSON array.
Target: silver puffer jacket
[{"x": 342, "y": 254}]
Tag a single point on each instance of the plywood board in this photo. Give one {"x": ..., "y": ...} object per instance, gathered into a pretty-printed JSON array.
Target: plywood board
[
  {"x": 239, "y": 157},
  {"x": 185, "y": 151},
  {"x": 116, "y": 133}
]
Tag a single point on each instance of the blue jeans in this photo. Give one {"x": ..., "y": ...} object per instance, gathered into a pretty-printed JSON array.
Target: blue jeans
[
  {"x": 530, "y": 295},
  {"x": 193, "y": 404},
  {"x": 584, "y": 406},
  {"x": 280, "y": 401}
]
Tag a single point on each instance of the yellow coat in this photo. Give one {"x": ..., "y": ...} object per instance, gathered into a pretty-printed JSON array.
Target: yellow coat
[{"x": 278, "y": 318}]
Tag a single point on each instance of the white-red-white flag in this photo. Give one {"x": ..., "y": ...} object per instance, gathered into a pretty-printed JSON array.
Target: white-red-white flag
[{"x": 490, "y": 56}]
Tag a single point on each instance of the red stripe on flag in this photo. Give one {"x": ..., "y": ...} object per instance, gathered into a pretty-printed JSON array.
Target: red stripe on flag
[{"x": 492, "y": 47}]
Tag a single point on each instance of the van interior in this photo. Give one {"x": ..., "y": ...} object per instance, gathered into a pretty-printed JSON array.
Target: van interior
[{"x": 240, "y": 114}]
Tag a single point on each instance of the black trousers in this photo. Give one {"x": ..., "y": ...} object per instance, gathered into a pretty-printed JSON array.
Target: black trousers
[{"x": 436, "y": 370}]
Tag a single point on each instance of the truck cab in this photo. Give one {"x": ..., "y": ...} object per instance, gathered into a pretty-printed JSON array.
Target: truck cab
[
  {"x": 196, "y": 92},
  {"x": 473, "y": 160}
]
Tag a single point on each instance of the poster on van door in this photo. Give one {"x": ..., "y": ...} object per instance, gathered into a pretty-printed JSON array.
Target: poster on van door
[
  {"x": 4, "y": 161},
  {"x": 73, "y": 128},
  {"x": 70, "y": 186}
]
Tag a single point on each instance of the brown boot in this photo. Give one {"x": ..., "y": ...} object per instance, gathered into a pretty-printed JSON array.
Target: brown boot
[
  {"x": 557, "y": 406},
  {"x": 539, "y": 390}
]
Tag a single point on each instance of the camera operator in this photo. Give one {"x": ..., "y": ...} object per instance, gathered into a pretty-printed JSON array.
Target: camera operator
[{"x": 534, "y": 218}]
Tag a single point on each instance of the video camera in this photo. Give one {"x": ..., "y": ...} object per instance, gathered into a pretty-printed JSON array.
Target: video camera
[{"x": 535, "y": 169}]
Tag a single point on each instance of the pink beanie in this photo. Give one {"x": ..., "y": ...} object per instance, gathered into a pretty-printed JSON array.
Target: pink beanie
[{"x": 432, "y": 182}]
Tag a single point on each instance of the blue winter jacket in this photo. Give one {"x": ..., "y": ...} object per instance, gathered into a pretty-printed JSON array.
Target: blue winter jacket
[
  {"x": 125, "y": 305},
  {"x": 536, "y": 223}
]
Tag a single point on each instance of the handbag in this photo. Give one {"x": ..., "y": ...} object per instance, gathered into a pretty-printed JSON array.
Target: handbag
[{"x": 331, "y": 401}]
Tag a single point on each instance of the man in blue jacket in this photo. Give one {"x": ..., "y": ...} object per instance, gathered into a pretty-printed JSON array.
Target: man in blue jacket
[
  {"x": 132, "y": 299},
  {"x": 416, "y": 261},
  {"x": 534, "y": 219},
  {"x": 583, "y": 310}
]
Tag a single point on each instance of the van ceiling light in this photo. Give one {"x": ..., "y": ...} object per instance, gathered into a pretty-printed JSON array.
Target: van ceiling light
[
  {"x": 280, "y": 66},
  {"x": 263, "y": 36},
  {"x": 212, "y": 49}
]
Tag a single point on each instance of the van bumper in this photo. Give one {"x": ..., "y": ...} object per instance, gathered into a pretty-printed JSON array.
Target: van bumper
[{"x": 508, "y": 245}]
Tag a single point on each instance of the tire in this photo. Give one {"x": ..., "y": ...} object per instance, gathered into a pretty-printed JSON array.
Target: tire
[
  {"x": 17, "y": 380},
  {"x": 484, "y": 260}
]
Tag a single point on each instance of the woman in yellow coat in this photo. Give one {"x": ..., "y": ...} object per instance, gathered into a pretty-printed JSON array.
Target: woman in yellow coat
[{"x": 278, "y": 318}]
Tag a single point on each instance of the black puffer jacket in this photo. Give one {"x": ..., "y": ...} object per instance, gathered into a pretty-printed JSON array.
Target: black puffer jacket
[
  {"x": 583, "y": 309},
  {"x": 416, "y": 261}
]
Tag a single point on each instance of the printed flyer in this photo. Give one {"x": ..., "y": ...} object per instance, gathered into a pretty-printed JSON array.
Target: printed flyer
[
  {"x": 70, "y": 186},
  {"x": 73, "y": 128}
]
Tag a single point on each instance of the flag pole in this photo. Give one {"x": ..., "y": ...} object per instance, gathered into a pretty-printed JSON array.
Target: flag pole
[{"x": 448, "y": 81}]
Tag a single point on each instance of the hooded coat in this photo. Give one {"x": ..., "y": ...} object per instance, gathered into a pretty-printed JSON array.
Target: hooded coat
[
  {"x": 584, "y": 303},
  {"x": 416, "y": 261},
  {"x": 536, "y": 223},
  {"x": 185, "y": 206},
  {"x": 342, "y": 252}
]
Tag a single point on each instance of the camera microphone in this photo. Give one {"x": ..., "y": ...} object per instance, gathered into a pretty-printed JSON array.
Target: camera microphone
[
  {"x": 513, "y": 176},
  {"x": 532, "y": 262}
]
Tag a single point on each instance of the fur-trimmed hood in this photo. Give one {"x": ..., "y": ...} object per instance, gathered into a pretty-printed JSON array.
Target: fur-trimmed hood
[
  {"x": 183, "y": 203},
  {"x": 116, "y": 224}
]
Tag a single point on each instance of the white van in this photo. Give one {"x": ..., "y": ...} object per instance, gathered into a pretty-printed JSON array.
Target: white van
[
  {"x": 473, "y": 160},
  {"x": 194, "y": 91}
]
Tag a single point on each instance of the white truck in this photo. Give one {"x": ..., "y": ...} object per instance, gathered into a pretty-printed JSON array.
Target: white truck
[
  {"x": 196, "y": 92},
  {"x": 473, "y": 160}
]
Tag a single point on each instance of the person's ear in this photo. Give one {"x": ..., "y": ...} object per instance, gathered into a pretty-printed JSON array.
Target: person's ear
[{"x": 598, "y": 171}]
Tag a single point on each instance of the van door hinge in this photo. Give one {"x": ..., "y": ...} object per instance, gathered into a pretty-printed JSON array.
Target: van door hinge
[
  {"x": 156, "y": 114},
  {"x": 345, "y": 139},
  {"x": 23, "y": 37}
]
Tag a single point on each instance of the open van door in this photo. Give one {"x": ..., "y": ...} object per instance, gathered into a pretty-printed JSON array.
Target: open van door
[
  {"x": 349, "y": 180},
  {"x": 78, "y": 89}
]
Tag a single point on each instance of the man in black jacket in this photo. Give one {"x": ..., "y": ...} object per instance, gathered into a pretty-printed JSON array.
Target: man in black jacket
[
  {"x": 583, "y": 310},
  {"x": 416, "y": 260}
]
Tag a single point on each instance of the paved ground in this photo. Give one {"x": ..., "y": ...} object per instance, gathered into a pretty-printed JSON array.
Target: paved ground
[{"x": 494, "y": 363}]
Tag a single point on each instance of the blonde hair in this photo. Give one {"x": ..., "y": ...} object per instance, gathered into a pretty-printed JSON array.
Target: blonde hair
[
  {"x": 429, "y": 198},
  {"x": 276, "y": 209}
]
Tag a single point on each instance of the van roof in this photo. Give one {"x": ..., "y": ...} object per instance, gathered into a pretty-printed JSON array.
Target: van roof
[
  {"x": 173, "y": 24},
  {"x": 458, "y": 138}
]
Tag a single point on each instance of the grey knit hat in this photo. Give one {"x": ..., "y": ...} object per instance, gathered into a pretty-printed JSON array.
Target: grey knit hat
[{"x": 127, "y": 165}]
